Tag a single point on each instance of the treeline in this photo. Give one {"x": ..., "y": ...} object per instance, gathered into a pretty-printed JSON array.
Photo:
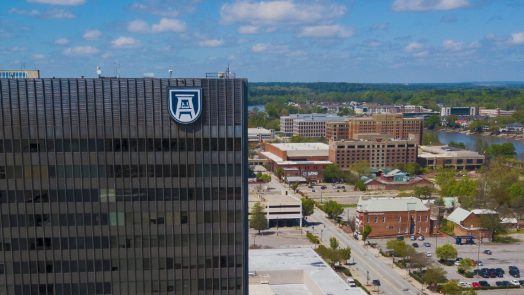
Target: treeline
[{"x": 507, "y": 96}]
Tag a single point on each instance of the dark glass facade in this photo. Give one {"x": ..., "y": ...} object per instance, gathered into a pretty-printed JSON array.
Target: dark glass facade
[{"x": 102, "y": 192}]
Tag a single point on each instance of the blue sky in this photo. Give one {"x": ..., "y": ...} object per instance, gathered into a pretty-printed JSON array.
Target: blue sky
[{"x": 286, "y": 40}]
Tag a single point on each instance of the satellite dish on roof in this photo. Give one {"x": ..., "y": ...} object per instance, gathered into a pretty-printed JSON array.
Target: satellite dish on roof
[{"x": 98, "y": 71}]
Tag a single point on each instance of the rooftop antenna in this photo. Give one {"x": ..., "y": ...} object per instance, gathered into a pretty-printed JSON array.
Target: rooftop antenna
[
  {"x": 170, "y": 72},
  {"x": 98, "y": 71}
]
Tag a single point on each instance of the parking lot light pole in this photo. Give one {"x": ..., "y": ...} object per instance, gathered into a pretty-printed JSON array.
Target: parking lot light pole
[{"x": 478, "y": 251}]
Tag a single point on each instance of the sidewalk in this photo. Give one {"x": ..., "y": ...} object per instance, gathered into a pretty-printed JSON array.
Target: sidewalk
[{"x": 403, "y": 272}]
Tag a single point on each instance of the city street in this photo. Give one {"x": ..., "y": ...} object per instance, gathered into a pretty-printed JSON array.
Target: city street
[{"x": 392, "y": 282}]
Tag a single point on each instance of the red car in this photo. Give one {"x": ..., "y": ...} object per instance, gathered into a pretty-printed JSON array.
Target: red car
[{"x": 475, "y": 285}]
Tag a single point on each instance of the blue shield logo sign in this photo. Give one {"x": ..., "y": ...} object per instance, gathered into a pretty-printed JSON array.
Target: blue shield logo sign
[{"x": 185, "y": 104}]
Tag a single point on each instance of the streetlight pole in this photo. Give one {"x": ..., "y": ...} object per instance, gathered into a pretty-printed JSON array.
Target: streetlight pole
[{"x": 478, "y": 251}]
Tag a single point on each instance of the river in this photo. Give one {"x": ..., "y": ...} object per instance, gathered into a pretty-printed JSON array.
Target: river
[
  {"x": 260, "y": 107},
  {"x": 475, "y": 141}
]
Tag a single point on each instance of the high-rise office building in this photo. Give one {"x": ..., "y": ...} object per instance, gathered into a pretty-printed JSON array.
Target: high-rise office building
[{"x": 123, "y": 186}]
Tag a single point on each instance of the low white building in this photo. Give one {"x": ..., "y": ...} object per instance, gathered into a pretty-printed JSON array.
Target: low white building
[
  {"x": 297, "y": 271},
  {"x": 260, "y": 134},
  {"x": 281, "y": 209}
]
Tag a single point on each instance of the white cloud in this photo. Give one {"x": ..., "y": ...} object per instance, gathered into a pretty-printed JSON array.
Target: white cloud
[
  {"x": 426, "y": 5},
  {"x": 92, "y": 34},
  {"x": 270, "y": 48},
  {"x": 248, "y": 29},
  {"x": 62, "y": 41},
  {"x": 451, "y": 45},
  {"x": 517, "y": 38},
  {"x": 32, "y": 12},
  {"x": 414, "y": 47},
  {"x": 279, "y": 12},
  {"x": 326, "y": 31},
  {"x": 125, "y": 42},
  {"x": 211, "y": 43},
  {"x": 50, "y": 13},
  {"x": 81, "y": 51},
  {"x": 169, "y": 25},
  {"x": 38, "y": 56},
  {"x": 59, "y": 2},
  {"x": 138, "y": 26},
  {"x": 158, "y": 8}
]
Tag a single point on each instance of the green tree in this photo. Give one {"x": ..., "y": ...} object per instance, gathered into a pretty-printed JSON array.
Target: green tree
[
  {"x": 446, "y": 252},
  {"x": 466, "y": 191},
  {"x": 399, "y": 248},
  {"x": 333, "y": 243},
  {"x": 294, "y": 186},
  {"x": 466, "y": 265},
  {"x": 345, "y": 253},
  {"x": 279, "y": 172},
  {"x": 445, "y": 179},
  {"x": 504, "y": 150},
  {"x": 333, "y": 209},
  {"x": 360, "y": 185},
  {"x": 491, "y": 222},
  {"x": 423, "y": 192},
  {"x": 366, "y": 231},
  {"x": 434, "y": 275},
  {"x": 308, "y": 207},
  {"x": 345, "y": 112},
  {"x": 333, "y": 173},
  {"x": 430, "y": 138},
  {"x": 361, "y": 168},
  {"x": 460, "y": 145},
  {"x": 432, "y": 122},
  {"x": 263, "y": 177},
  {"x": 452, "y": 288},
  {"x": 516, "y": 199},
  {"x": 258, "y": 219}
]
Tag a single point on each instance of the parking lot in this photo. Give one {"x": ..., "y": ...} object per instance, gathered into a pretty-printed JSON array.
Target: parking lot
[
  {"x": 503, "y": 255},
  {"x": 343, "y": 195}
]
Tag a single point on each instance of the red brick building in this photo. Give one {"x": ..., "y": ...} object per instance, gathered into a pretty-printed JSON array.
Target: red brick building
[
  {"x": 468, "y": 223},
  {"x": 306, "y": 160},
  {"x": 390, "y": 217}
]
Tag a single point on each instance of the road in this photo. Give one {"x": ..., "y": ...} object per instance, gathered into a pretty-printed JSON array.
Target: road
[{"x": 391, "y": 281}]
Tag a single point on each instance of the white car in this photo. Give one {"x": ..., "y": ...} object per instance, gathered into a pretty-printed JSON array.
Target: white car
[
  {"x": 515, "y": 282},
  {"x": 351, "y": 283},
  {"x": 465, "y": 284},
  {"x": 428, "y": 254}
]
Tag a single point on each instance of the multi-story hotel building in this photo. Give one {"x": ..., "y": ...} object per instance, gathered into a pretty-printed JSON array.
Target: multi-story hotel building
[
  {"x": 378, "y": 153},
  {"x": 394, "y": 125},
  {"x": 123, "y": 186},
  {"x": 19, "y": 74}
]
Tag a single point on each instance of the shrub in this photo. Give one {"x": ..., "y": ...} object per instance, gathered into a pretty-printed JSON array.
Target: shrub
[{"x": 312, "y": 238}]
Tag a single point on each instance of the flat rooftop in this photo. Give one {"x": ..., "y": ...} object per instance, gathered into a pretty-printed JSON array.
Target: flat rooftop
[
  {"x": 444, "y": 151},
  {"x": 274, "y": 199},
  {"x": 303, "y": 146},
  {"x": 259, "y": 130},
  {"x": 297, "y": 271}
]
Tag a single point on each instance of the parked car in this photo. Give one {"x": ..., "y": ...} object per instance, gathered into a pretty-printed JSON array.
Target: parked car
[
  {"x": 426, "y": 244},
  {"x": 514, "y": 271},
  {"x": 428, "y": 254},
  {"x": 376, "y": 282},
  {"x": 400, "y": 238},
  {"x": 484, "y": 284},
  {"x": 521, "y": 282},
  {"x": 323, "y": 187},
  {"x": 415, "y": 245},
  {"x": 500, "y": 272},
  {"x": 479, "y": 263},
  {"x": 465, "y": 284},
  {"x": 420, "y": 238},
  {"x": 503, "y": 283},
  {"x": 515, "y": 282},
  {"x": 351, "y": 283},
  {"x": 413, "y": 238},
  {"x": 488, "y": 252},
  {"x": 475, "y": 285}
]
